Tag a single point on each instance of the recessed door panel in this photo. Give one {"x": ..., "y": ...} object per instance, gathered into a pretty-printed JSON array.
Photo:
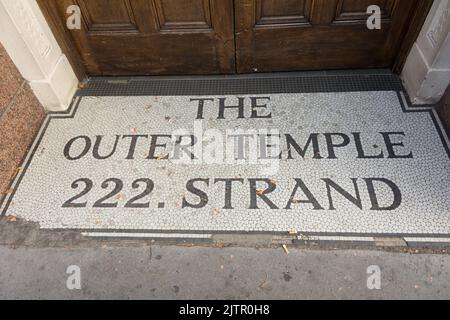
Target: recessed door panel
[
  {"x": 184, "y": 14},
  {"x": 101, "y": 15},
  {"x": 152, "y": 37},
  {"x": 356, "y": 10},
  {"x": 145, "y": 37},
  {"x": 320, "y": 34},
  {"x": 274, "y": 13}
]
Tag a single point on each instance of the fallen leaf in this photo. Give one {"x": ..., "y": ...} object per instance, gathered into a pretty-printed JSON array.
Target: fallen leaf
[
  {"x": 259, "y": 192},
  {"x": 161, "y": 157},
  {"x": 120, "y": 197}
]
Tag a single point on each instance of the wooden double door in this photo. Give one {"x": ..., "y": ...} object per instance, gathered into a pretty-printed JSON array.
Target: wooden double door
[{"x": 152, "y": 37}]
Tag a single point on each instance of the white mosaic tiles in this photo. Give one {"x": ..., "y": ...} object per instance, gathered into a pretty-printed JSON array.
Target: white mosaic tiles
[{"x": 412, "y": 160}]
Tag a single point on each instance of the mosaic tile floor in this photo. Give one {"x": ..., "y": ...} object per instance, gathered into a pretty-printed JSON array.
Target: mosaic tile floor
[{"x": 331, "y": 163}]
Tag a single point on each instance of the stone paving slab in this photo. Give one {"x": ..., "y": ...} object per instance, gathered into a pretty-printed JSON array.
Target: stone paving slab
[
  {"x": 170, "y": 272},
  {"x": 348, "y": 163}
]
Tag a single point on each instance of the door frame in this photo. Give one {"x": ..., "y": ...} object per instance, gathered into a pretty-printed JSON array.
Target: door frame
[
  {"x": 417, "y": 21},
  {"x": 64, "y": 38}
]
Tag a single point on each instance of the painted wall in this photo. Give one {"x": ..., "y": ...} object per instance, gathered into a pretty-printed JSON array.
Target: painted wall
[{"x": 426, "y": 74}]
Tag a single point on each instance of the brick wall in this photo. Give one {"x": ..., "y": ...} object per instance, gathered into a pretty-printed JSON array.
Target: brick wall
[{"x": 20, "y": 118}]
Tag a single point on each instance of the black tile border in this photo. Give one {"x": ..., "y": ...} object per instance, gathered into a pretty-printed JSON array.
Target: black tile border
[
  {"x": 408, "y": 108},
  {"x": 327, "y": 83},
  {"x": 26, "y": 162}
]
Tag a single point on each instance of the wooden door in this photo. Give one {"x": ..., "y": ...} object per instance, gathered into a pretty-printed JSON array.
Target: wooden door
[
  {"x": 286, "y": 35},
  {"x": 144, "y": 37}
]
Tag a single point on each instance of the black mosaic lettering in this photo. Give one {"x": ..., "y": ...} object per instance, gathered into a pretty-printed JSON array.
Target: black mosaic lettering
[
  {"x": 374, "y": 199},
  {"x": 256, "y": 106},
  {"x": 76, "y": 184},
  {"x": 149, "y": 186},
  {"x": 118, "y": 186},
  {"x": 313, "y": 139},
  {"x": 310, "y": 197},
  {"x": 223, "y": 106},
  {"x": 201, "y": 106},
  {"x": 360, "y": 148},
  {"x": 228, "y": 191},
  {"x": 203, "y": 196},
  {"x": 256, "y": 193},
  {"x": 388, "y": 136},
  {"x": 87, "y": 147},
  {"x": 332, "y": 145},
  {"x": 154, "y": 145},
  {"x": 133, "y": 143},
  {"x": 356, "y": 199},
  {"x": 97, "y": 145}
]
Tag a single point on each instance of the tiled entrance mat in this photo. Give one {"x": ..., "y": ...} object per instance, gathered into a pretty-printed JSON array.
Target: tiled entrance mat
[{"x": 348, "y": 163}]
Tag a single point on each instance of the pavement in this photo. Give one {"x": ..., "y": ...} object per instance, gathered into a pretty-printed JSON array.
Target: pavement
[
  {"x": 202, "y": 272},
  {"x": 42, "y": 264}
]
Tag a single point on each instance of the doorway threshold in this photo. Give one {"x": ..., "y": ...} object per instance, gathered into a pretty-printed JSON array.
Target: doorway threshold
[
  {"x": 333, "y": 157},
  {"x": 282, "y": 82}
]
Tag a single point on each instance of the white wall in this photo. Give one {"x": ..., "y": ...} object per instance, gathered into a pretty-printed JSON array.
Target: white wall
[
  {"x": 426, "y": 74},
  {"x": 29, "y": 41}
]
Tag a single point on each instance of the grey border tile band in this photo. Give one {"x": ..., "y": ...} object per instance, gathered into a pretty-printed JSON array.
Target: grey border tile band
[{"x": 226, "y": 85}]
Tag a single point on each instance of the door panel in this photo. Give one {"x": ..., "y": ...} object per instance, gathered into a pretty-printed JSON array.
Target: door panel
[
  {"x": 99, "y": 16},
  {"x": 286, "y": 35},
  {"x": 154, "y": 37},
  {"x": 355, "y": 10},
  {"x": 282, "y": 12},
  {"x": 140, "y": 37},
  {"x": 175, "y": 15}
]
